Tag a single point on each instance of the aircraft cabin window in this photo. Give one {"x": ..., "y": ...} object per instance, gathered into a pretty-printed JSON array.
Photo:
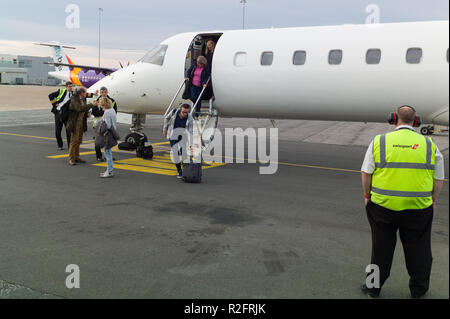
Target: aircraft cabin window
[
  {"x": 335, "y": 57},
  {"x": 267, "y": 58},
  {"x": 240, "y": 59},
  {"x": 414, "y": 55},
  {"x": 299, "y": 58},
  {"x": 156, "y": 55},
  {"x": 373, "y": 56}
]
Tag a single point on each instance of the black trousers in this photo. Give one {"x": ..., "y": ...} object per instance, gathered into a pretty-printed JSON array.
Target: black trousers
[
  {"x": 58, "y": 128},
  {"x": 172, "y": 143},
  {"x": 414, "y": 227}
]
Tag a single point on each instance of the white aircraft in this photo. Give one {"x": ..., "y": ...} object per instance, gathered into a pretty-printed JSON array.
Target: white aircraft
[{"x": 336, "y": 73}]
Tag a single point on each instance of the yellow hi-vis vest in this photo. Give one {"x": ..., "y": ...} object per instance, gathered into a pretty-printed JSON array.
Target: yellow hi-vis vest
[
  {"x": 61, "y": 93},
  {"x": 404, "y": 170}
]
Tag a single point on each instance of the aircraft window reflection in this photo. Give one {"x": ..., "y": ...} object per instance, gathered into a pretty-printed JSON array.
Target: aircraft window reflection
[
  {"x": 299, "y": 57},
  {"x": 414, "y": 55},
  {"x": 156, "y": 55},
  {"x": 240, "y": 59},
  {"x": 267, "y": 58},
  {"x": 373, "y": 56},
  {"x": 335, "y": 57}
]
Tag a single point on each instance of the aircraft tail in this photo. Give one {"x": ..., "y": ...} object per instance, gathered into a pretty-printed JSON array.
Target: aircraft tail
[{"x": 59, "y": 56}]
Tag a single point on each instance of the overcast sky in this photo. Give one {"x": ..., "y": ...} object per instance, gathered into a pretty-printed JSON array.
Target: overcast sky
[{"x": 137, "y": 25}]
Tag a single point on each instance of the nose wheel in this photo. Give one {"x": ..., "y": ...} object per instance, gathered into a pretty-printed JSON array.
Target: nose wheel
[{"x": 427, "y": 130}]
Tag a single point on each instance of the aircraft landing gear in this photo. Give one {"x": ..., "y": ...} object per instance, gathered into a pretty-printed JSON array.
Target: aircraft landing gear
[
  {"x": 136, "y": 136},
  {"x": 427, "y": 130}
]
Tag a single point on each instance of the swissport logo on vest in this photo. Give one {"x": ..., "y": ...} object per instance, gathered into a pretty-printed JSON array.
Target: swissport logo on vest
[{"x": 414, "y": 147}]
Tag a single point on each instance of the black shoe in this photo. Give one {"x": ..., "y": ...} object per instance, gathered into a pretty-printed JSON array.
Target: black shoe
[
  {"x": 100, "y": 159},
  {"x": 368, "y": 292}
]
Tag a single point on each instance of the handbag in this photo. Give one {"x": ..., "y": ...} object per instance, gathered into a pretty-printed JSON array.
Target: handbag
[
  {"x": 187, "y": 91},
  {"x": 100, "y": 131}
]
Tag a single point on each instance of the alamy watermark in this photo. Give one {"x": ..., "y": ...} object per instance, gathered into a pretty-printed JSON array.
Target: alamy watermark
[
  {"x": 261, "y": 145},
  {"x": 373, "y": 276},
  {"x": 73, "y": 279},
  {"x": 374, "y": 14},
  {"x": 73, "y": 17}
]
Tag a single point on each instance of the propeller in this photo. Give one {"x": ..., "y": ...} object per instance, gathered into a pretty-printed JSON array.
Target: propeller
[{"x": 121, "y": 65}]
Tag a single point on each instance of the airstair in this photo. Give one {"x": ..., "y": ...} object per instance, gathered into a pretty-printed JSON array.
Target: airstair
[{"x": 205, "y": 121}]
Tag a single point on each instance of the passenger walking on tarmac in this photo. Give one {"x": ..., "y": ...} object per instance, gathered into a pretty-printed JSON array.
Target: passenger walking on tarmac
[
  {"x": 176, "y": 120},
  {"x": 77, "y": 122},
  {"x": 198, "y": 75},
  {"x": 111, "y": 135},
  {"x": 97, "y": 112},
  {"x": 402, "y": 177},
  {"x": 60, "y": 101}
]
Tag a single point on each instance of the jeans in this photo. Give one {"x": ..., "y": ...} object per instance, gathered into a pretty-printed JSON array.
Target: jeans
[
  {"x": 109, "y": 159},
  {"x": 195, "y": 93}
]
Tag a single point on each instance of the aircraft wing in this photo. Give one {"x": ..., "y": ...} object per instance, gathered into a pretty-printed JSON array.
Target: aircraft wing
[{"x": 86, "y": 67}]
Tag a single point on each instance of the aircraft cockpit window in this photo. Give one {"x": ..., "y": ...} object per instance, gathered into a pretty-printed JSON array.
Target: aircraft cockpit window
[
  {"x": 155, "y": 56},
  {"x": 335, "y": 57},
  {"x": 373, "y": 56},
  {"x": 414, "y": 55},
  {"x": 299, "y": 57},
  {"x": 267, "y": 58}
]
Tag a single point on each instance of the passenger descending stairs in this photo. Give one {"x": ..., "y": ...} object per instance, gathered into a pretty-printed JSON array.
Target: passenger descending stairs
[{"x": 204, "y": 125}]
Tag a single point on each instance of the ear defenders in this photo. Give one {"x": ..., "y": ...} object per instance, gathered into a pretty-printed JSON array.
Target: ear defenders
[{"x": 393, "y": 118}]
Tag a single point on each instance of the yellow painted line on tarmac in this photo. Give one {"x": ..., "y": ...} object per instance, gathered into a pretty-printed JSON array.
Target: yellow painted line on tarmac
[
  {"x": 67, "y": 155},
  {"x": 160, "y": 166},
  {"x": 29, "y": 136},
  {"x": 167, "y": 156}
]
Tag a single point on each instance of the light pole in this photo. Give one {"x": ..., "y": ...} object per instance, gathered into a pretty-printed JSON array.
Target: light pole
[
  {"x": 243, "y": 13},
  {"x": 100, "y": 10}
]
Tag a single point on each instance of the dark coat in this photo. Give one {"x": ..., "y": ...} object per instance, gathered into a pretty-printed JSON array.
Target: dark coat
[
  {"x": 204, "y": 77},
  {"x": 97, "y": 111},
  {"x": 53, "y": 99},
  {"x": 77, "y": 106}
]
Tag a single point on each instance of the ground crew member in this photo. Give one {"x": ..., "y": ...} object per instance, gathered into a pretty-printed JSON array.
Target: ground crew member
[
  {"x": 98, "y": 112},
  {"x": 402, "y": 177},
  {"x": 77, "y": 123},
  {"x": 59, "y": 99}
]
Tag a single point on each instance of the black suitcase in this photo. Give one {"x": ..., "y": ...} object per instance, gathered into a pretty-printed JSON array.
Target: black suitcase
[
  {"x": 192, "y": 172},
  {"x": 145, "y": 152}
]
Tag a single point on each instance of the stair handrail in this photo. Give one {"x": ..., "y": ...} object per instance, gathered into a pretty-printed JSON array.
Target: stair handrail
[{"x": 175, "y": 97}]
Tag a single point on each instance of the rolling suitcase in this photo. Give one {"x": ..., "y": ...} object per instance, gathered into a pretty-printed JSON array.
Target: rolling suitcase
[{"x": 192, "y": 172}]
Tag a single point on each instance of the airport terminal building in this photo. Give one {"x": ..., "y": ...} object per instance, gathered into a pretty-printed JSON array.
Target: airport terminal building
[{"x": 19, "y": 69}]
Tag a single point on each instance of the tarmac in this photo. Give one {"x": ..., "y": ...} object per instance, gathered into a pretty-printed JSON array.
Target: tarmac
[{"x": 300, "y": 233}]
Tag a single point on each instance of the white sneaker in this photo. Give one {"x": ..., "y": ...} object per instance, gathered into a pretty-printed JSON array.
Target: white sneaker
[{"x": 107, "y": 174}]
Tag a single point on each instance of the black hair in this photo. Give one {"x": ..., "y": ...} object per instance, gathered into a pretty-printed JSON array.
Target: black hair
[
  {"x": 185, "y": 106},
  {"x": 69, "y": 83}
]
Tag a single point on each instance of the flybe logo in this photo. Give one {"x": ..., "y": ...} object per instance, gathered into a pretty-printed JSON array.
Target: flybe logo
[{"x": 414, "y": 147}]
